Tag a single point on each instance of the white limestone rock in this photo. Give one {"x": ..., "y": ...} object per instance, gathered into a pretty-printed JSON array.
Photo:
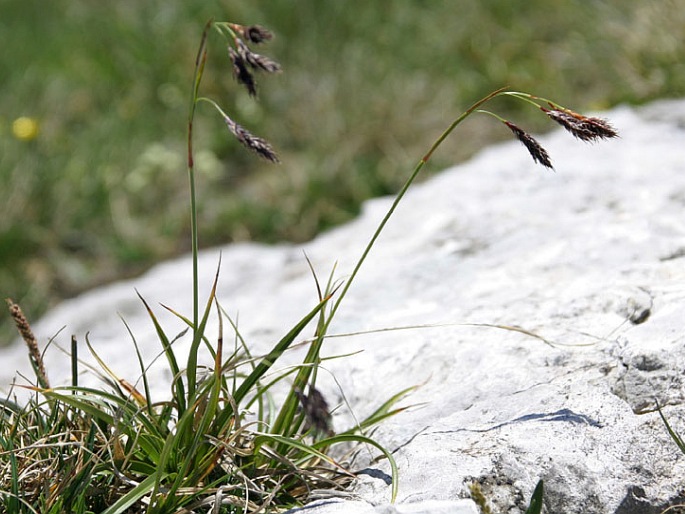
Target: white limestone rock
[{"x": 590, "y": 258}]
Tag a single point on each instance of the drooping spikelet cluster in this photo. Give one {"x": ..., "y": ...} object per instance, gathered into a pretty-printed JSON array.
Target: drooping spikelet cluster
[
  {"x": 245, "y": 64},
  {"x": 585, "y": 128},
  {"x": 257, "y": 144},
  {"x": 245, "y": 61},
  {"x": 537, "y": 152},
  {"x": 253, "y": 33}
]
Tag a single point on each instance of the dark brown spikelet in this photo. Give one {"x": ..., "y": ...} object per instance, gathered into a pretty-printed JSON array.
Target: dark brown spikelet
[
  {"x": 258, "y": 62},
  {"x": 253, "y": 33},
  {"x": 27, "y": 335},
  {"x": 537, "y": 152},
  {"x": 257, "y": 34},
  {"x": 254, "y": 143},
  {"x": 316, "y": 411},
  {"x": 241, "y": 73},
  {"x": 585, "y": 128}
]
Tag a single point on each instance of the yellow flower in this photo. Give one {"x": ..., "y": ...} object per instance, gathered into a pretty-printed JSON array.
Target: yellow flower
[{"x": 25, "y": 128}]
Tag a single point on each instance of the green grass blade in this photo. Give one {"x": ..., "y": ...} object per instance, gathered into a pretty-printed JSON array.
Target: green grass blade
[
  {"x": 13, "y": 497},
  {"x": 146, "y": 386},
  {"x": 313, "y": 356},
  {"x": 674, "y": 435},
  {"x": 385, "y": 410},
  {"x": 189, "y": 322},
  {"x": 181, "y": 449},
  {"x": 217, "y": 378},
  {"x": 180, "y": 395},
  {"x": 198, "y": 333},
  {"x": 135, "y": 494},
  {"x": 535, "y": 506},
  {"x": 93, "y": 402},
  {"x": 306, "y": 452},
  {"x": 284, "y": 421},
  {"x": 84, "y": 406},
  {"x": 240, "y": 345},
  {"x": 267, "y": 362},
  {"x": 342, "y": 438},
  {"x": 74, "y": 361}
]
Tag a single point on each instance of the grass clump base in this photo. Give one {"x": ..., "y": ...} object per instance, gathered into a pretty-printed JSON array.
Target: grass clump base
[{"x": 219, "y": 443}]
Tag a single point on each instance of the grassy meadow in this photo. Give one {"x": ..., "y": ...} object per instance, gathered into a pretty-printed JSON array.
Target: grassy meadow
[{"x": 97, "y": 189}]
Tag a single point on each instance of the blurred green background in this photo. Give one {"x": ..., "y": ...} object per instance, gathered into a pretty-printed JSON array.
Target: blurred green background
[{"x": 100, "y": 192}]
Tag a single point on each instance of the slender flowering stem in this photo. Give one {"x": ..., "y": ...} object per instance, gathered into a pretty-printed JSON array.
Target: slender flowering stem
[
  {"x": 526, "y": 97},
  {"x": 600, "y": 129},
  {"x": 200, "y": 61},
  {"x": 461, "y": 118},
  {"x": 323, "y": 329},
  {"x": 400, "y": 196},
  {"x": 226, "y": 29},
  {"x": 241, "y": 59}
]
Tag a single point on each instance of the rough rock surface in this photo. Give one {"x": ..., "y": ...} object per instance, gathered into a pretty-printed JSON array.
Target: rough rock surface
[{"x": 591, "y": 259}]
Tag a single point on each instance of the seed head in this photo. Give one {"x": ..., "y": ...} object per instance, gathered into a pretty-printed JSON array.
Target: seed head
[
  {"x": 258, "y": 145},
  {"x": 315, "y": 410},
  {"x": 241, "y": 72},
  {"x": 253, "y": 33},
  {"x": 27, "y": 335},
  {"x": 588, "y": 129},
  {"x": 257, "y": 61},
  {"x": 537, "y": 152}
]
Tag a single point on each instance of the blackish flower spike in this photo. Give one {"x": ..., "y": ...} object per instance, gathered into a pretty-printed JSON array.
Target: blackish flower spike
[
  {"x": 253, "y": 33},
  {"x": 258, "y": 145},
  {"x": 258, "y": 62},
  {"x": 316, "y": 411},
  {"x": 241, "y": 73},
  {"x": 256, "y": 34},
  {"x": 588, "y": 129},
  {"x": 537, "y": 152}
]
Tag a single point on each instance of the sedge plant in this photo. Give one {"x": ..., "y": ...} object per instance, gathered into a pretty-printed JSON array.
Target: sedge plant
[{"x": 219, "y": 443}]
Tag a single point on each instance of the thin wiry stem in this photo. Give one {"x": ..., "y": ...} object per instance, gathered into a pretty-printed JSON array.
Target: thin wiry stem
[
  {"x": 400, "y": 196},
  {"x": 461, "y": 118},
  {"x": 323, "y": 329},
  {"x": 200, "y": 61}
]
